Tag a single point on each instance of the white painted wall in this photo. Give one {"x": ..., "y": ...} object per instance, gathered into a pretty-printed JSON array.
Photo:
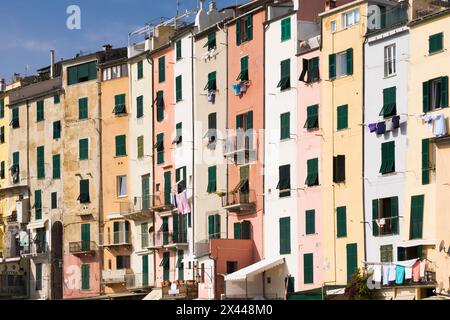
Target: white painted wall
[{"x": 376, "y": 185}]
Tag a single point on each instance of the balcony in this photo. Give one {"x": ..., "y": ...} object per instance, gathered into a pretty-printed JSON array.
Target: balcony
[
  {"x": 112, "y": 277},
  {"x": 388, "y": 18},
  {"x": 34, "y": 249},
  {"x": 386, "y": 226},
  {"x": 173, "y": 240},
  {"x": 239, "y": 201},
  {"x": 241, "y": 148},
  {"x": 161, "y": 202},
  {"x": 117, "y": 239},
  {"x": 138, "y": 281},
  {"x": 82, "y": 247},
  {"x": 138, "y": 209}
]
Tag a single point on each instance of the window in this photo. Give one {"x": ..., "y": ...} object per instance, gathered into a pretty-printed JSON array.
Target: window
[
  {"x": 212, "y": 179},
  {"x": 211, "y": 44},
  {"x": 180, "y": 264},
  {"x": 144, "y": 235},
  {"x": 82, "y": 73},
  {"x": 312, "y": 178},
  {"x": 121, "y": 146},
  {"x": 387, "y": 157},
  {"x": 312, "y": 117},
  {"x": 120, "y": 105},
  {"x": 310, "y": 72},
  {"x": 285, "y": 125},
  {"x": 162, "y": 69},
  {"x": 83, "y": 149},
  {"x": 145, "y": 271},
  {"x": 38, "y": 276},
  {"x": 390, "y": 67},
  {"x": 308, "y": 268},
  {"x": 285, "y": 81},
  {"x": 2, "y": 134},
  {"x": 40, "y": 164},
  {"x": 214, "y": 226},
  {"x": 115, "y": 72},
  {"x": 242, "y": 230},
  {"x": 284, "y": 183},
  {"x": 416, "y": 223},
  {"x": 310, "y": 222},
  {"x": 350, "y": 18},
  {"x": 244, "y": 29},
  {"x": 57, "y": 130},
  {"x": 427, "y": 160},
  {"x": 121, "y": 233},
  {"x": 2, "y": 108},
  {"x": 385, "y": 216},
  {"x": 140, "y": 70},
  {"x": 212, "y": 127},
  {"x": 340, "y": 64},
  {"x": 122, "y": 186},
  {"x": 352, "y": 260},
  {"x": 212, "y": 82},
  {"x": 286, "y": 29},
  {"x": 389, "y": 102},
  {"x": 339, "y": 169},
  {"x": 342, "y": 117},
  {"x": 167, "y": 186},
  {"x": 386, "y": 253},
  {"x": 2, "y": 170},
  {"x": 333, "y": 26},
  {"x": 181, "y": 178},
  {"x": 123, "y": 262},
  {"x": 37, "y": 204},
  {"x": 435, "y": 43},
  {"x": 139, "y": 107},
  {"x": 54, "y": 200},
  {"x": 243, "y": 75},
  {"x": 15, "y": 170},
  {"x": 179, "y": 88},
  {"x": 160, "y": 148},
  {"x": 83, "y": 112},
  {"x": 85, "y": 277},
  {"x": 435, "y": 94},
  {"x": 56, "y": 166},
  {"x": 84, "y": 191},
  {"x": 140, "y": 147},
  {"x": 341, "y": 222},
  {"x": 285, "y": 235},
  {"x": 160, "y": 106},
  {"x": 15, "y": 118},
  {"x": 85, "y": 237},
  {"x": 178, "y": 49},
  {"x": 232, "y": 266},
  {"x": 145, "y": 191},
  {"x": 40, "y": 110},
  {"x": 165, "y": 263}
]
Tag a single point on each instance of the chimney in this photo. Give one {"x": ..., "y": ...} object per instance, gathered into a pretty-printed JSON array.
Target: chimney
[
  {"x": 212, "y": 6},
  {"x": 201, "y": 4},
  {"x": 2, "y": 85},
  {"x": 52, "y": 64},
  {"x": 330, "y": 4},
  {"x": 107, "y": 48}
]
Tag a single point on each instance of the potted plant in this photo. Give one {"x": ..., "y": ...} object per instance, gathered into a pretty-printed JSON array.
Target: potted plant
[{"x": 357, "y": 289}]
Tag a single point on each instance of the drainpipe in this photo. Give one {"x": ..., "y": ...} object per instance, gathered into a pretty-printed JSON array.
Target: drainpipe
[
  {"x": 225, "y": 30},
  {"x": 333, "y": 184},
  {"x": 193, "y": 146},
  {"x": 29, "y": 190},
  {"x": 363, "y": 149}
]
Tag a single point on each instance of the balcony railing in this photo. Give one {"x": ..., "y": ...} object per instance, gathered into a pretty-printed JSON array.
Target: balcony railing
[
  {"x": 395, "y": 16},
  {"x": 82, "y": 247},
  {"x": 239, "y": 201},
  {"x": 139, "y": 281},
  {"x": 138, "y": 209},
  {"x": 169, "y": 239},
  {"x": 117, "y": 238},
  {"x": 114, "y": 276},
  {"x": 241, "y": 147},
  {"x": 161, "y": 202},
  {"x": 35, "y": 248},
  {"x": 387, "y": 226}
]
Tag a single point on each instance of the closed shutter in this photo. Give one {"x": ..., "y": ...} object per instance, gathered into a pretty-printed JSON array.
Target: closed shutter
[
  {"x": 175, "y": 228},
  {"x": 84, "y": 191},
  {"x": 285, "y": 29},
  {"x": 426, "y": 96},
  {"x": 145, "y": 189},
  {"x": 249, "y": 120},
  {"x": 56, "y": 166},
  {"x": 211, "y": 227},
  {"x": 341, "y": 213},
  {"x": 285, "y": 122},
  {"x": 40, "y": 163},
  {"x": 160, "y": 106},
  {"x": 166, "y": 266},
  {"x": 416, "y": 224},
  {"x": 386, "y": 253},
  {"x": 145, "y": 271},
  {"x": 54, "y": 200},
  {"x": 38, "y": 276},
  {"x": 178, "y": 88},
  {"x": 83, "y": 146},
  {"x": 238, "y": 32},
  {"x": 85, "y": 237},
  {"x": 387, "y": 157},
  {"x": 285, "y": 235},
  {"x": 83, "y": 112},
  {"x": 85, "y": 275},
  {"x": 349, "y": 57},
  {"x": 72, "y": 75},
  {"x": 212, "y": 179},
  {"x": 56, "y": 99},
  {"x": 342, "y": 117},
  {"x": 16, "y": 159},
  {"x": 165, "y": 230},
  {"x": 139, "y": 107},
  {"x": 394, "y": 215},
  {"x": 314, "y": 73},
  {"x": 217, "y": 226},
  {"x": 308, "y": 268},
  {"x": 162, "y": 69},
  {"x": 246, "y": 230},
  {"x": 444, "y": 92},
  {"x": 332, "y": 66},
  {"x": 140, "y": 70},
  {"x": 212, "y": 121},
  {"x": 56, "y": 129},
  {"x": 178, "y": 49},
  {"x": 92, "y": 70},
  {"x": 40, "y": 110},
  {"x": 389, "y": 102},
  {"x": 310, "y": 217},
  {"x": 140, "y": 146},
  {"x": 160, "y": 148},
  {"x": 375, "y": 232},
  {"x": 167, "y": 187},
  {"x": 249, "y": 27},
  {"x": 38, "y": 204},
  {"x": 237, "y": 230},
  {"x": 313, "y": 172},
  {"x": 435, "y": 43},
  {"x": 352, "y": 260},
  {"x": 121, "y": 146},
  {"x": 425, "y": 161}
]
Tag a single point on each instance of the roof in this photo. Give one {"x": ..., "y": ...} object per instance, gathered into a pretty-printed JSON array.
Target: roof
[
  {"x": 430, "y": 16},
  {"x": 254, "y": 269}
]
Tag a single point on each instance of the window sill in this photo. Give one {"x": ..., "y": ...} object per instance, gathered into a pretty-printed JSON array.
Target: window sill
[
  {"x": 84, "y": 119},
  {"x": 310, "y": 234},
  {"x": 437, "y": 109},
  {"x": 286, "y": 139},
  {"x": 121, "y": 156},
  {"x": 341, "y": 237},
  {"x": 122, "y": 197},
  {"x": 390, "y": 76},
  {"x": 119, "y": 115},
  {"x": 435, "y": 53},
  {"x": 341, "y": 130},
  {"x": 387, "y": 174}
]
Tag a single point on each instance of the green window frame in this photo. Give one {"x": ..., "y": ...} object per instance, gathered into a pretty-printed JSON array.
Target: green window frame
[
  {"x": 162, "y": 69},
  {"x": 160, "y": 106},
  {"x": 2, "y": 134},
  {"x": 40, "y": 162},
  {"x": 140, "y": 147},
  {"x": 83, "y": 149},
  {"x": 341, "y": 221},
  {"x": 85, "y": 277},
  {"x": 285, "y": 235},
  {"x": 244, "y": 29},
  {"x": 342, "y": 117},
  {"x": 140, "y": 70},
  {"x": 426, "y": 161},
  {"x": 285, "y": 75},
  {"x": 428, "y": 103},
  {"x": 166, "y": 266},
  {"x": 284, "y": 183},
  {"x": 82, "y": 73},
  {"x": 212, "y": 179},
  {"x": 178, "y": 50},
  {"x": 352, "y": 260},
  {"x": 308, "y": 268},
  {"x": 15, "y": 122},
  {"x": 160, "y": 148},
  {"x": 37, "y": 204},
  {"x": 212, "y": 81},
  {"x": 416, "y": 222},
  {"x": 179, "y": 88},
  {"x": 312, "y": 178},
  {"x": 84, "y": 191},
  {"x": 387, "y": 157},
  {"x": 56, "y": 99},
  {"x": 244, "y": 74},
  {"x": 121, "y": 146},
  {"x": 285, "y": 125},
  {"x": 56, "y": 130},
  {"x": 214, "y": 226},
  {"x": 310, "y": 222},
  {"x": 389, "y": 102},
  {"x": 2, "y": 108},
  {"x": 139, "y": 107},
  {"x": 386, "y": 253},
  {"x": 40, "y": 111},
  {"x": 436, "y": 43},
  {"x": 312, "y": 117},
  {"x": 120, "y": 107},
  {"x": 286, "y": 29},
  {"x": 83, "y": 109},
  {"x": 54, "y": 200},
  {"x": 57, "y": 166},
  {"x": 211, "y": 44}
]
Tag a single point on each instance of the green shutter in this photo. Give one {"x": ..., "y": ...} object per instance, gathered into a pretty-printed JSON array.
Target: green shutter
[
  {"x": 285, "y": 235},
  {"x": 166, "y": 266},
  {"x": 92, "y": 70},
  {"x": 84, "y": 191},
  {"x": 54, "y": 200},
  {"x": 285, "y": 123},
  {"x": 140, "y": 146},
  {"x": 160, "y": 148},
  {"x": 167, "y": 187},
  {"x": 15, "y": 123},
  {"x": 178, "y": 49},
  {"x": 312, "y": 178},
  {"x": 342, "y": 117},
  {"x": 140, "y": 70},
  {"x": 38, "y": 276},
  {"x": 72, "y": 76},
  {"x": 211, "y": 41},
  {"x": 56, "y": 166},
  {"x": 237, "y": 230},
  {"x": 444, "y": 92},
  {"x": 389, "y": 102},
  {"x": 386, "y": 253},
  {"x": 249, "y": 120},
  {"x": 435, "y": 43},
  {"x": 416, "y": 223},
  {"x": 286, "y": 29},
  {"x": 83, "y": 145},
  {"x": 243, "y": 75},
  {"x": 56, "y": 129},
  {"x": 332, "y": 66},
  {"x": 56, "y": 99},
  {"x": 238, "y": 32},
  {"x": 249, "y": 28},
  {"x": 139, "y": 107},
  {"x": 178, "y": 88},
  {"x": 85, "y": 237},
  {"x": 175, "y": 228},
  {"x": 40, "y": 110},
  {"x": 145, "y": 271},
  {"x": 308, "y": 268},
  {"x": 116, "y": 232},
  {"x": 387, "y": 157},
  {"x": 85, "y": 277},
  {"x": 310, "y": 223},
  {"x": 425, "y": 161},
  {"x": 312, "y": 120},
  {"x": 120, "y": 104},
  {"x": 162, "y": 69},
  {"x": 160, "y": 106},
  {"x": 38, "y": 204},
  {"x": 352, "y": 259},
  {"x": 426, "y": 96},
  {"x": 121, "y": 146},
  {"x": 375, "y": 231},
  {"x": 217, "y": 226},
  {"x": 40, "y": 162},
  {"x": 16, "y": 159},
  {"x": 349, "y": 57},
  {"x": 285, "y": 75},
  {"x": 212, "y": 179},
  {"x": 212, "y": 82},
  {"x": 2, "y": 108},
  {"x": 165, "y": 229},
  {"x": 211, "y": 227},
  {"x": 246, "y": 229},
  {"x": 83, "y": 112},
  {"x": 145, "y": 191},
  {"x": 341, "y": 213},
  {"x": 394, "y": 215}
]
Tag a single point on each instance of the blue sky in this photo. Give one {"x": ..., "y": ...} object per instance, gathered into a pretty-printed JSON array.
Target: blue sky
[{"x": 31, "y": 28}]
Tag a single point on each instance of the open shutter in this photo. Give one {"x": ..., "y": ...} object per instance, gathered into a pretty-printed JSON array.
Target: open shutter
[
  {"x": 394, "y": 215},
  {"x": 304, "y": 70},
  {"x": 425, "y": 161},
  {"x": 444, "y": 92},
  {"x": 426, "y": 96},
  {"x": 332, "y": 66},
  {"x": 237, "y": 230},
  {"x": 349, "y": 57},
  {"x": 375, "y": 232}
]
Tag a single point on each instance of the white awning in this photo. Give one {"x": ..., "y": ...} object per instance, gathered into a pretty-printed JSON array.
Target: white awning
[
  {"x": 114, "y": 216},
  {"x": 255, "y": 268},
  {"x": 336, "y": 291},
  {"x": 37, "y": 224},
  {"x": 418, "y": 242},
  {"x": 155, "y": 294}
]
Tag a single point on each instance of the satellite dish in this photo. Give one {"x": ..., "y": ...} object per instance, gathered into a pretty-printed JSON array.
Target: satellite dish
[{"x": 442, "y": 246}]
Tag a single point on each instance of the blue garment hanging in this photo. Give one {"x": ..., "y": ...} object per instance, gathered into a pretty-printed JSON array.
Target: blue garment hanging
[
  {"x": 400, "y": 274},
  {"x": 381, "y": 127}
]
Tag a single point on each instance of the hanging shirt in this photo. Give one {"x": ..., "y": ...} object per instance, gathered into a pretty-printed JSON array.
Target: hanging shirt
[
  {"x": 381, "y": 127},
  {"x": 392, "y": 272},
  {"x": 372, "y": 127},
  {"x": 389, "y": 125},
  {"x": 439, "y": 126},
  {"x": 408, "y": 273},
  {"x": 386, "y": 269},
  {"x": 211, "y": 96},
  {"x": 377, "y": 273},
  {"x": 416, "y": 271},
  {"x": 400, "y": 274},
  {"x": 422, "y": 268},
  {"x": 396, "y": 122}
]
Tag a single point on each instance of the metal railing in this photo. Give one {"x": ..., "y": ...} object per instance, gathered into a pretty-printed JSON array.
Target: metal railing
[
  {"x": 392, "y": 17},
  {"x": 138, "y": 281},
  {"x": 116, "y": 238},
  {"x": 167, "y": 238},
  {"x": 239, "y": 198},
  {"x": 241, "y": 143},
  {"x": 82, "y": 246},
  {"x": 35, "y": 248},
  {"x": 137, "y": 205},
  {"x": 161, "y": 200},
  {"x": 387, "y": 226}
]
